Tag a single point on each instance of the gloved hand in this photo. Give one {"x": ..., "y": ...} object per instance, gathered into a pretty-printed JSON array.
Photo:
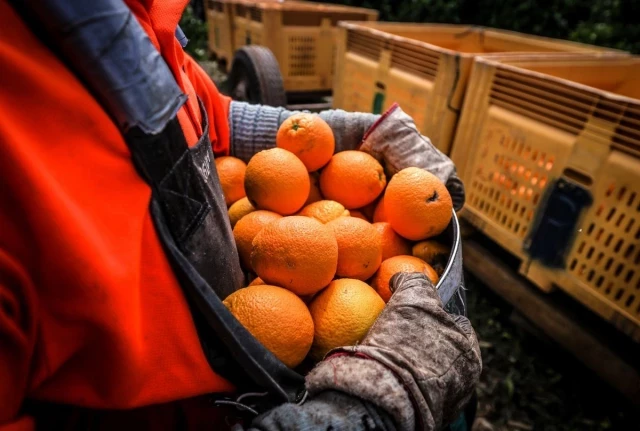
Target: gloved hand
[
  {"x": 392, "y": 138},
  {"x": 417, "y": 365}
]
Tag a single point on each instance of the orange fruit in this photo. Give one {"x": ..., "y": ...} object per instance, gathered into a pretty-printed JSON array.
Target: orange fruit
[
  {"x": 257, "y": 282},
  {"x": 358, "y": 214},
  {"x": 309, "y": 137},
  {"x": 231, "y": 172},
  {"x": 393, "y": 265},
  {"x": 379, "y": 216},
  {"x": 434, "y": 253},
  {"x": 246, "y": 230},
  {"x": 359, "y": 247},
  {"x": 239, "y": 209},
  {"x": 353, "y": 178},
  {"x": 314, "y": 191},
  {"x": 417, "y": 204},
  {"x": 369, "y": 210},
  {"x": 342, "y": 315},
  {"x": 275, "y": 317},
  {"x": 392, "y": 243},
  {"x": 276, "y": 180},
  {"x": 297, "y": 253},
  {"x": 324, "y": 211}
]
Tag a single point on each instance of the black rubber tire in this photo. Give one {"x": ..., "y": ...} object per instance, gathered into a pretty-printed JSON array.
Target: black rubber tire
[{"x": 255, "y": 77}]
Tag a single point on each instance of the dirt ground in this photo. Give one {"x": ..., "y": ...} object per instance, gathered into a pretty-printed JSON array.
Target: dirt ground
[{"x": 531, "y": 384}]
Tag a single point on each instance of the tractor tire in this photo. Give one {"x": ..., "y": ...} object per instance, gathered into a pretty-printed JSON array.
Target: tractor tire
[{"x": 255, "y": 77}]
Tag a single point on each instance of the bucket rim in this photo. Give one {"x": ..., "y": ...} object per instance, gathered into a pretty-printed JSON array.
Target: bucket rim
[{"x": 447, "y": 289}]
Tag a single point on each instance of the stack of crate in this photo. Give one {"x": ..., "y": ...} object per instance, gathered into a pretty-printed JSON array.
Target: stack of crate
[
  {"x": 423, "y": 67},
  {"x": 542, "y": 137}
]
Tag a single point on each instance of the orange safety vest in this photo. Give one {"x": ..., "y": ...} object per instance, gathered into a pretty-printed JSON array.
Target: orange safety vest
[{"x": 91, "y": 313}]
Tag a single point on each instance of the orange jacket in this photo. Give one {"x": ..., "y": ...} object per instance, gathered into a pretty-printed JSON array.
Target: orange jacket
[{"x": 90, "y": 311}]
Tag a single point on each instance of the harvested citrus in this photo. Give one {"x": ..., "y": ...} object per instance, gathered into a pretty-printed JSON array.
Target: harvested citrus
[
  {"x": 276, "y": 180},
  {"x": 275, "y": 317},
  {"x": 434, "y": 253},
  {"x": 239, "y": 209},
  {"x": 309, "y": 137},
  {"x": 369, "y": 210},
  {"x": 392, "y": 266},
  {"x": 417, "y": 204},
  {"x": 231, "y": 172},
  {"x": 358, "y": 214},
  {"x": 392, "y": 243},
  {"x": 257, "y": 282},
  {"x": 353, "y": 178},
  {"x": 324, "y": 211},
  {"x": 342, "y": 314},
  {"x": 297, "y": 253},
  {"x": 246, "y": 230},
  {"x": 314, "y": 191},
  {"x": 359, "y": 247},
  {"x": 379, "y": 215}
]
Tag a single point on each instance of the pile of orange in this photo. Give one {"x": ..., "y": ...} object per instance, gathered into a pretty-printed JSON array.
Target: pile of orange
[{"x": 324, "y": 233}]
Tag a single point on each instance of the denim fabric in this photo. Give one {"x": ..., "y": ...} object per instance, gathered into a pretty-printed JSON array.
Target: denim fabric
[
  {"x": 103, "y": 43},
  {"x": 190, "y": 216}
]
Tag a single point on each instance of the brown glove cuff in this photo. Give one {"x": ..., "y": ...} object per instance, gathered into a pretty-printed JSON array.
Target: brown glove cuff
[{"x": 367, "y": 380}]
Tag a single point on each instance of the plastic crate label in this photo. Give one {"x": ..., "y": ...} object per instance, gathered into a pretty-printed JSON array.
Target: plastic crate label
[
  {"x": 378, "y": 99},
  {"x": 555, "y": 225}
]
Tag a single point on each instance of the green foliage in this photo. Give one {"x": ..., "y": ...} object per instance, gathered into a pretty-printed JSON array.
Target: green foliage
[
  {"x": 612, "y": 23},
  {"x": 196, "y": 32}
]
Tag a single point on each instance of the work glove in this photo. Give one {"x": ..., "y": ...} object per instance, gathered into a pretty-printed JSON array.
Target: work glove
[
  {"x": 393, "y": 139},
  {"x": 418, "y": 366}
]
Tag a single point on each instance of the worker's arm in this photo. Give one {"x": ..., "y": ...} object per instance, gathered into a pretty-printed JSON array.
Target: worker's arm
[
  {"x": 17, "y": 342},
  {"x": 416, "y": 369},
  {"x": 348, "y": 127},
  {"x": 392, "y": 138}
]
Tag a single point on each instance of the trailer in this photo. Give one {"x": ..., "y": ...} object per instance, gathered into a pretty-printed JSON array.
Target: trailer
[{"x": 280, "y": 52}]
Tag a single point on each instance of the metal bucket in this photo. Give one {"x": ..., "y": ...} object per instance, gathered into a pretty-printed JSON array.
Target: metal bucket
[{"x": 451, "y": 285}]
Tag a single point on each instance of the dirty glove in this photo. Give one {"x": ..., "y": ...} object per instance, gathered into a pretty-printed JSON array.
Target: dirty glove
[
  {"x": 392, "y": 138},
  {"x": 417, "y": 365}
]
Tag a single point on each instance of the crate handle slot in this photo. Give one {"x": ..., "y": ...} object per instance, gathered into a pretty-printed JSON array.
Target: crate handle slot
[{"x": 578, "y": 177}]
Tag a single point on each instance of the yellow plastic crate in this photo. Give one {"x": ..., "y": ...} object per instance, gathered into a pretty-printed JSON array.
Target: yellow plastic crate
[
  {"x": 219, "y": 20},
  {"x": 300, "y": 35},
  {"x": 423, "y": 67},
  {"x": 528, "y": 121},
  {"x": 220, "y": 26}
]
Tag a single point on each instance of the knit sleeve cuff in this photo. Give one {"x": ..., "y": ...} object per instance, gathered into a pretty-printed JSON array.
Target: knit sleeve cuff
[
  {"x": 366, "y": 379},
  {"x": 253, "y": 128},
  {"x": 348, "y": 127}
]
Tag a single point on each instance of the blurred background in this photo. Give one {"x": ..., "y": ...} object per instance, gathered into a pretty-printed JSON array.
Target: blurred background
[
  {"x": 530, "y": 381},
  {"x": 611, "y": 23}
]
